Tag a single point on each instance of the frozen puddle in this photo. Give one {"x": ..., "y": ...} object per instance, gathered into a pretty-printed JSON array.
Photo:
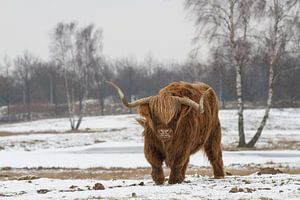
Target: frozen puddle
[
  {"x": 129, "y": 155},
  {"x": 112, "y": 150}
]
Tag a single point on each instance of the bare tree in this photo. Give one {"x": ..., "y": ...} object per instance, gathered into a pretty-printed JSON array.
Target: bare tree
[
  {"x": 102, "y": 71},
  {"x": 63, "y": 53},
  {"x": 7, "y": 85},
  {"x": 89, "y": 48},
  {"x": 227, "y": 24},
  {"x": 219, "y": 66},
  {"x": 75, "y": 49},
  {"x": 48, "y": 83},
  {"x": 283, "y": 16},
  {"x": 128, "y": 76},
  {"x": 25, "y": 68}
]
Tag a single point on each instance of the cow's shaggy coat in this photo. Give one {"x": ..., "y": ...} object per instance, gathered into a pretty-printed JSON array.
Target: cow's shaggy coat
[{"x": 173, "y": 131}]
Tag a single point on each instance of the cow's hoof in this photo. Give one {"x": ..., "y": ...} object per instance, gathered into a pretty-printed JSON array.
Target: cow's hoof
[
  {"x": 174, "y": 181},
  {"x": 218, "y": 177},
  {"x": 158, "y": 176},
  {"x": 159, "y": 182}
]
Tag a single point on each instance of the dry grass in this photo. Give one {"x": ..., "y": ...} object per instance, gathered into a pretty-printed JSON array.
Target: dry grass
[
  {"x": 6, "y": 133},
  {"x": 86, "y": 130},
  {"x": 284, "y": 144},
  {"x": 119, "y": 173}
]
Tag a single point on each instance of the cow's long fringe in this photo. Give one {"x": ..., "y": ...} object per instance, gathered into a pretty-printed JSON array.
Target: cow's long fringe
[{"x": 166, "y": 107}]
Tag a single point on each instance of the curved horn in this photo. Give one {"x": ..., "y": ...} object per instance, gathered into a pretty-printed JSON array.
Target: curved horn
[
  {"x": 124, "y": 100},
  {"x": 193, "y": 104}
]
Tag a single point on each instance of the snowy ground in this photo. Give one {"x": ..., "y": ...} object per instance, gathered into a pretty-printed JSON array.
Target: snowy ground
[
  {"x": 282, "y": 131},
  {"x": 106, "y": 154},
  {"x": 117, "y": 141},
  {"x": 279, "y": 186}
]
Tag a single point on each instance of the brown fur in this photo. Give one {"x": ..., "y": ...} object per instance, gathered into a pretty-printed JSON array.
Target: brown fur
[{"x": 173, "y": 131}]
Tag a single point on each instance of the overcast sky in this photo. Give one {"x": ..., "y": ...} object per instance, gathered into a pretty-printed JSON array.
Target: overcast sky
[{"x": 134, "y": 28}]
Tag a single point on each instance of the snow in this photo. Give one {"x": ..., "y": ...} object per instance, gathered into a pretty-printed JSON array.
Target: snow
[
  {"x": 105, "y": 139},
  {"x": 281, "y": 186},
  {"x": 130, "y": 155},
  {"x": 117, "y": 141},
  {"x": 279, "y": 119},
  {"x": 62, "y": 124},
  {"x": 283, "y": 126}
]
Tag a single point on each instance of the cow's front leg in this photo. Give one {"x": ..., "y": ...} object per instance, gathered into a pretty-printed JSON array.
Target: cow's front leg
[
  {"x": 155, "y": 158},
  {"x": 157, "y": 172},
  {"x": 176, "y": 174},
  {"x": 158, "y": 175},
  {"x": 178, "y": 169}
]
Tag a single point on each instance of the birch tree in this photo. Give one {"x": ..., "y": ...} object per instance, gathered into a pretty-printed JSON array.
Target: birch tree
[
  {"x": 89, "y": 48},
  {"x": 75, "y": 50},
  {"x": 230, "y": 23},
  {"x": 63, "y": 52},
  {"x": 226, "y": 24},
  {"x": 278, "y": 39}
]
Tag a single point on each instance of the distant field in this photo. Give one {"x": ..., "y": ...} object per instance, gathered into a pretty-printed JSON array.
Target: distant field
[{"x": 281, "y": 132}]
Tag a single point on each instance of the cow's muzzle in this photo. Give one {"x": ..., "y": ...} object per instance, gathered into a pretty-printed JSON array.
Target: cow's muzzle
[{"x": 164, "y": 134}]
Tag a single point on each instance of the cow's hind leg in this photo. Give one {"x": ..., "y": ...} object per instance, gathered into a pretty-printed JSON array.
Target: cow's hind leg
[
  {"x": 214, "y": 152},
  {"x": 183, "y": 170}
]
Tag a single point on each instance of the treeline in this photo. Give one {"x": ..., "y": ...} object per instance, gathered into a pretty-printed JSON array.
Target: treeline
[{"x": 74, "y": 78}]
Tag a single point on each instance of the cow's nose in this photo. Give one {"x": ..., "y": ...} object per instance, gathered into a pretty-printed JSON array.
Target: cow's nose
[{"x": 164, "y": 134}]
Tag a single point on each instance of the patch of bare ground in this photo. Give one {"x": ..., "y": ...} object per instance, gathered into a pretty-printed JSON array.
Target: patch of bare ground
[
  {"x": 7, "y": 133},
  {"x": 126, "y": 173},
  {"x": 86, "y": 130},
  {"x": 286, "y": 144},
  {"x": 271, "y": 145}
]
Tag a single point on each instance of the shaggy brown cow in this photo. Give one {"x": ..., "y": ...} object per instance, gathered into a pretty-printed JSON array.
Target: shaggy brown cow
[{"x": 175, "y": 126}]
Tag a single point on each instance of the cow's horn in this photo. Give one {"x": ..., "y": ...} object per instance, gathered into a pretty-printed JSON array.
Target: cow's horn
[
  {"x": 124, "y": 100},
  {"x": 193, "y": 104}
]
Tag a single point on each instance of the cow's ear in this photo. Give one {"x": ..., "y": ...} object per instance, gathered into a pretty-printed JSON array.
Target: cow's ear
[{"x": 141, "y": 121}]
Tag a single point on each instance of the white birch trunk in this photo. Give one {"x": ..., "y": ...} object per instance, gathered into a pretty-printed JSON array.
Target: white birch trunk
[
  {"x": 70, "y": 107},
  {"x": 274, "y": 55},
  {"x": 240, "y": 105},
  {"x": 269, "y": 104}
]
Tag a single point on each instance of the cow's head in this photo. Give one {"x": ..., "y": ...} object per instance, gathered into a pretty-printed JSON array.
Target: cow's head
[{"x": 160, "y": 112}]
